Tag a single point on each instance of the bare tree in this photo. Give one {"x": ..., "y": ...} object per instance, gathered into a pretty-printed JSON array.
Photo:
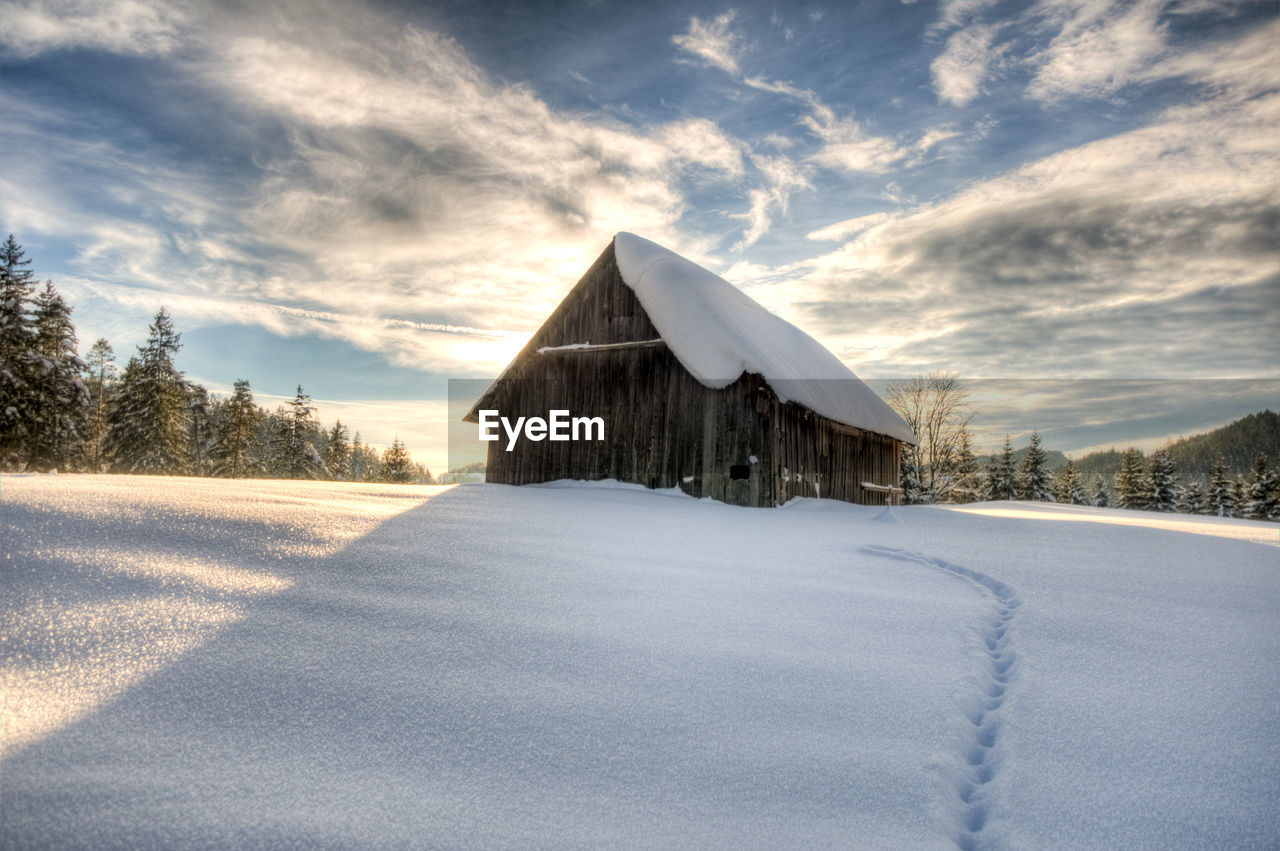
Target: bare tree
[{"x": 936, "y": 406}]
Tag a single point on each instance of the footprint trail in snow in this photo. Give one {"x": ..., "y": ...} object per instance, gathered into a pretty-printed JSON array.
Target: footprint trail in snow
[{"x": 978, "y": 758}]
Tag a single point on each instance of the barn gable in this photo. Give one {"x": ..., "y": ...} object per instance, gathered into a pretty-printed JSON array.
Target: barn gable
[{"x": 639, "y": 341}]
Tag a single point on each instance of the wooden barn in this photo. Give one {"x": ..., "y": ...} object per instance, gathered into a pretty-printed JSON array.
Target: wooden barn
[{"x": 698, "y": 386}]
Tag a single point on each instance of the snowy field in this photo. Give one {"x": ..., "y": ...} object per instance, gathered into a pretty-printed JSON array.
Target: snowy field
[{"x": 199, "y": 663}]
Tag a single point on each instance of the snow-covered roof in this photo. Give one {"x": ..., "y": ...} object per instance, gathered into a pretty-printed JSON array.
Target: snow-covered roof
[{"x": 717, "y": 333}]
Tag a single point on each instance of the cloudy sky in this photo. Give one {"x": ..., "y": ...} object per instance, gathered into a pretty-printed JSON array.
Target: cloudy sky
[{"x": 370, "y": 198}]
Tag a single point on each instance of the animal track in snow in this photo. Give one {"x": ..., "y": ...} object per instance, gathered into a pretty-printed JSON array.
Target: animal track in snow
[{"x": 978, "y": 757}]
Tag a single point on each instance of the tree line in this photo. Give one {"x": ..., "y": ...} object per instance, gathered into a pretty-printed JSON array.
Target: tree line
[
  {"x": 59, "y": 411},
  {"x": 944, "y": 468}
]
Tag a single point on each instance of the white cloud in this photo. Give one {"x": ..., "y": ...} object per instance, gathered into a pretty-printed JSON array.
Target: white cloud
[
  {"x": 957, "y": 13},
  {"x": 847, "y": 228},
  {"x": 783, "y": 179},
  {"x": 697, "y": 141},
  {"x": 712, "y": 41},
  {"x": 1098, "y": 49},
  {"x": 164, "y": 222},
  {"x": 847, "y": 146},
  {"x": 958, "y": 73},
  {"x": 781, "y": 88},
  {"x": 120, "y": 26},
  {"x": 873, "y": 155},
  {"x": 436, "y": 347},
  {"x": 935, "y": 136},
  {"x": 1236, "y": 69}
]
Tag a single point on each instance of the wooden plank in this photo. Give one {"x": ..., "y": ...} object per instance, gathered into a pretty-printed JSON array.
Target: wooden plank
[{"x": 591, "y": 348}]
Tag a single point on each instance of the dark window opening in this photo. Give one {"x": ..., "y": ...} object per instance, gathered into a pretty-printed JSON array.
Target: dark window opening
[{"x": 740, "y": 471}]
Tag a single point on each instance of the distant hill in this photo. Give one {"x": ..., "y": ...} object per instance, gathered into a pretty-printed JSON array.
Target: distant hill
[
  {"x": 1055, "y": 458},
  {"x": 1237, "y": 443},
  {"x": 1105, "y": 463}
]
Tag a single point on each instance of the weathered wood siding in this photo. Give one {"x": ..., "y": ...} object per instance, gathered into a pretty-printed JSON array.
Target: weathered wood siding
[
  {"x": 816, "y": 456},
  {"x": 664, "y": 429}
]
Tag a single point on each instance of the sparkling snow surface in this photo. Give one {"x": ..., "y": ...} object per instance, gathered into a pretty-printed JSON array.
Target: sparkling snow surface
[
  {"x": 718, "y": 332},
  {"x": 206, "y": 663}
]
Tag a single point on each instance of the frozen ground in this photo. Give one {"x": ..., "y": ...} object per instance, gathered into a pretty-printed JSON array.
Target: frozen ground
[{"x": 205, "y": 663}]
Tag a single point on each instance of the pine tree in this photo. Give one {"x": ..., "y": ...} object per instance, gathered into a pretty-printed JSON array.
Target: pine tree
[
  {"x": 355, "y": 461},
  {"x": 1061, "y": 488},
  {"x": 1192, "y": 499},
  {"x": 913, "y": 489},
  {"x": 371, "y": 463},
  {"x": 59, "y": 401},
  {"x": 1067, "y": 488},
  {"x": 397, "y": 466},
  {"x": 1219, "y": 493},
  {"x": 967, "y": 487},
  {"x": 1163, "y": 483},
  {"x": 292, "y": 446},
  {"x": 1131, "y": 481},
  {"x": 262, "y": 457},
  {"x": 237, "y": 432},
  {"x": 1001, "y": 474},
  {"x": 148, "y": 431},
  {"x": 100, "y": 374},
  {"x": 1100, "y": 498},
  {"x": 1033, "y": 477},
  {"x": 125, "y": 419},
  {"x": 1239, "y": 497},
  {"x": 1078, "y": 495},
  {"x": 337, "y": 452},
  {"x": 1261, "y": 496},
  {"x": 17, "y": 354},
  {"x": 202, "y": 431},
  {"x": 364, "y": 461}
]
